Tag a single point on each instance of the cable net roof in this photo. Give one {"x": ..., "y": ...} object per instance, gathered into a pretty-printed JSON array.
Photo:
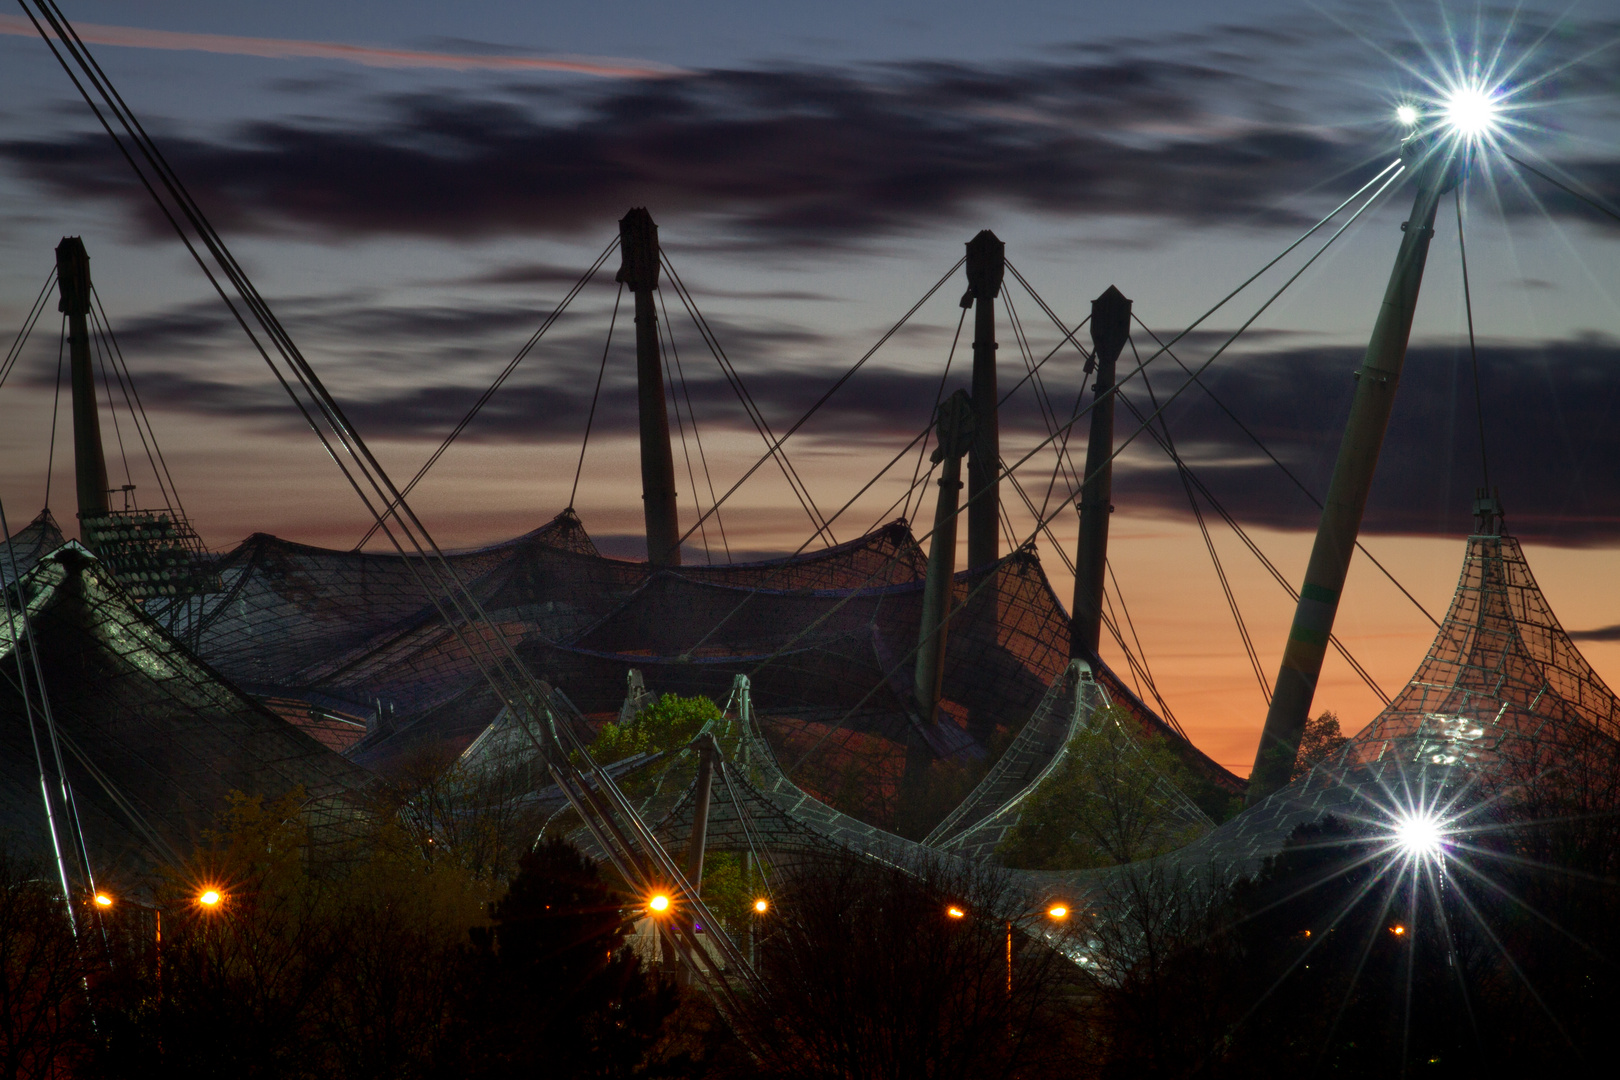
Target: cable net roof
[
  {"x": 28, "y": 545},
  {"x": 154, "y": 739},
  {"x": 1502, "y": 694},
  {"x": 826, "y": 638}
]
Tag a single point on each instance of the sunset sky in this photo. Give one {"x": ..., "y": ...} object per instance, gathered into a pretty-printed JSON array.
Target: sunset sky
[{"x": 415, "y": 186}]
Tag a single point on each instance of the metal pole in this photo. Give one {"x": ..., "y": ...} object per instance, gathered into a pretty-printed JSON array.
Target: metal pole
[
  {"x": 1110, "y": 329},
  {"x": 986, "y": 265},
  {"x": 700, "y": 813},
  {"x": 702, "y": 793},
  {"x": 89, "y": 461},
  {"x": 1438, "y": 170},
  {"x": 638, "y": 250},
  {"x": 955, "y": 435}
]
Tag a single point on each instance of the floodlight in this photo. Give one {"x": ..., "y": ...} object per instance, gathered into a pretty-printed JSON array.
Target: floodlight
[
  {"x": 103, "y": 900},
  {"x": 1420, "y": 835},
  {"x": 1407, "y": 115},
  {"x": 1470, "y": 111},
  {"x": 762, "y": 905},
  {"x": 659, "y": 903}
]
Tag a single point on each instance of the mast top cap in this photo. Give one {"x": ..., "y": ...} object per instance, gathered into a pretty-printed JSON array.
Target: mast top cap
[
  {"x": 638, "y": 250},
  {"x": 986, "y": 266},
  {"x": 73, "y": 276}
]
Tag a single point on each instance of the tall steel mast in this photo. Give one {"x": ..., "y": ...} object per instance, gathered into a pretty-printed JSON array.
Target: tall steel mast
[{"x": 1437, "y": 167}]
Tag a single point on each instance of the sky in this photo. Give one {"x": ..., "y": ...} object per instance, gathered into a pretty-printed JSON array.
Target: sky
[{"x": 416, "y": 186}]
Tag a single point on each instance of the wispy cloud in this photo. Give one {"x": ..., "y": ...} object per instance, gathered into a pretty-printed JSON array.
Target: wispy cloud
[{"x": 135, "y": 37}]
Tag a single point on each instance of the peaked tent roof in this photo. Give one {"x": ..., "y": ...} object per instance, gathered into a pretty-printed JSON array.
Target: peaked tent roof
[
  {"x": 154, "y": 739},
  {"x": 25, "y": 547},
  {"x": 1502, "y": 691}
]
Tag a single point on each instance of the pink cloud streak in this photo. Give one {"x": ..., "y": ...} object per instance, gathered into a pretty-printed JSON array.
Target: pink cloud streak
[{"x": 133, "y": 37}]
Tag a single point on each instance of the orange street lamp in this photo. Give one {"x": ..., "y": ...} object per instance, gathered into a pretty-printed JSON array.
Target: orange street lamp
[
  {"x": 761, "y": 906},
  {"x": 955, "y": 912},
  {"x": 209, "y": 898},
  {"x": 658, "y": 904},
  {"x": 103, "y": 900},
  {"x": 1058, "y": 911}
]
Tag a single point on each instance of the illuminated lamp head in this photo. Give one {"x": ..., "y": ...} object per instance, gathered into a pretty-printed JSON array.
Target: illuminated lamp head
[
  {"x": 1419, "y": 834},
  {"x": 1470, "y": 111},
  {"x": 1058, "y": 911},
  {"x": 209, "y": 898},
  {"x": 955, "y": 912},
  {"x": 1407, "y": 115},
  {"x": 761, "y": 906},
  {"x": 103, "y": 900},
  {"x": 658, "y": 904}
]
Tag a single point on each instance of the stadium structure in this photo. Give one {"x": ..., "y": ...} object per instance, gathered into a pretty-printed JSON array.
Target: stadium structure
[{"x": 877, "y": 698}]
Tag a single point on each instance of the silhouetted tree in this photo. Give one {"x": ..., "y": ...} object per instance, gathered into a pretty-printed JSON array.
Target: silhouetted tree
[
  {"x": 552, "y": 988},
  {"x": 44, "y": 1025},
  {"x": 867, "y": 975}
]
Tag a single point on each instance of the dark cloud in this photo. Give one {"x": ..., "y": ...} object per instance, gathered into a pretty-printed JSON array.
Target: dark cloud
[
  {"x": 806, "y": 156},
  {"x": 1221, "y": 127}
]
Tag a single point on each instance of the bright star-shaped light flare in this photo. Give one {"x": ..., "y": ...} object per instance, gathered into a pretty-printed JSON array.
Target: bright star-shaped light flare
[
  {"x": 1420, "y": 835},
  {"x": 1407, "y": 115},
  {"x": 1471, "y": 111}
]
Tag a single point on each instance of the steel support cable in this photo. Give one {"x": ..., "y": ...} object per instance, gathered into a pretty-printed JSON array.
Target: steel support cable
[
  {"x": 590, "y": 417},
  {"x": 1286, "y": 471},
  {"x": 1169, "y": 443},
  {"x": 745, "y": 818},
  {"x": 1473, "y": 349},
  {"x": 939, "y": 395},
  {"x": 27, "y": 328},
  {"x": 1271, "y": 567},
  {"x": 680, "y": 428},
  {"x": 711, "y": 340},
  {"x": 605, "y": 785},
  {"x": 132, "y": 401},
  {"x": 16, "y": 643},
  {"x": 1069, "y": 334},
  {"x": 56, "y": 408},
  {"x": 1062, "y": 465},
  {"x": 1565, "y": 188},
  {"x": 70, "y": 808},
  {"x": 1139, "y": 670},
  {"x": 1110, "y": 623},
  {"x": 837, "y": 384},
  {"x": 801, "y": 490},
  {"x": 326, "y": 405},
  {"x": 920, "y": 437},
  {"x": 508, "y": 677},
  {"x": 302, "y": 373},
  {"x": 697, "y": 437},
  {"x": 506, "y": 372},
  {"x": 1115, "y": 452},
  {"x": 1141, "y": 652},
  {"x": 106, "y": 385}
]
